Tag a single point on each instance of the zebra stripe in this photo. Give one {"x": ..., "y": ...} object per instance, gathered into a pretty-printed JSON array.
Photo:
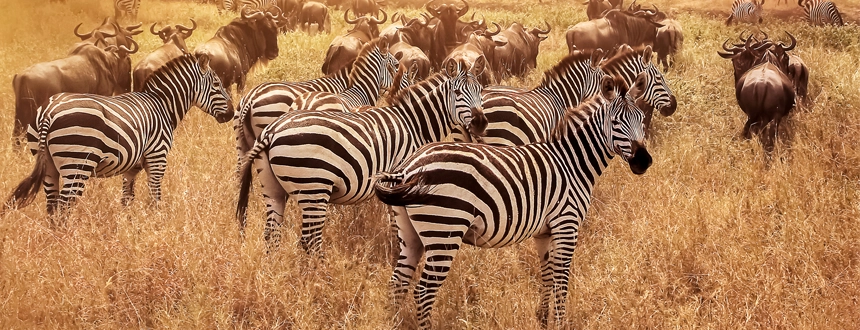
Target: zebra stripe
[
  {"x": 126, "y": 7},
  {"x": 447, "y": 194},
  {"x": 746, "y": 11},
  {"x": 85, "y": 135},
  {"x": 372, "y": 71},
  {"x": 324, "y": 157},
  {"x": 518, "y": 118},
  {"x": 821, "y": 12}
]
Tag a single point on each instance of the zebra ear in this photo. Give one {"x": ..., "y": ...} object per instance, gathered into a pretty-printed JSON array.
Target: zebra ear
[
  {"x": 607, "y": 88},
  {"x": 203, "y": 60},
  {"x": 646, "y": 55},
  {"x": 479, "y": 66},
  {"x": 596, "y": 57},
  {"x": 451, "y": 68}
]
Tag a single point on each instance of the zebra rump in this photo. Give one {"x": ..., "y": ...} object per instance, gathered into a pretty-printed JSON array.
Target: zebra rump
[{"x": 391, "y": 190}]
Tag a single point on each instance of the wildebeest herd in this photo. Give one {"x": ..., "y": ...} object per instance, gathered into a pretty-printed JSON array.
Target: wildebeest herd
[{"x": 522, "y": 164}]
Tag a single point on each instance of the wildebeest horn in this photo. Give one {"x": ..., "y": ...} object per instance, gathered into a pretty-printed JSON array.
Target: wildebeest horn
[
  {"x": 488, "y": 34},
  {"x": 152, "y": 29},
  {"x": 186, "y": 29},
  {"x": 380, "y": 21},
  {"x": 464, "y": 10},
  {"x": 433, "y": 11},
  {"x": 548, "y": 28},
  {"x": 793, "y": 43},
  {"x": 481, "y": 22},
  {"x": 130, "y": 51},
  {"x": 347, "y": 19},
  {"x": 82, "y": 36},
  {"x": 134, "y": 27},
  {"x": 766, "y": 37},
  {"x": 733, "y": 50}
]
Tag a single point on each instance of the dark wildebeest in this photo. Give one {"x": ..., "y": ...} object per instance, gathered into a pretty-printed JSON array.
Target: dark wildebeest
[
  {"x": 477, "y": 52},
  {"x": 519, "y": 56},
  {"x": 90, "y": 70},
  {"x": 173, "y": 47},
  {"x": 392, "y": 31},
  {"x": 366, "y": 7},
  {"x": 344, "y": 49},
  {"x": 313, "y": 12},
  {"x": 799, "y": 74},
  {"x": 763, "y": 89},
  {"x": 615, "y": 28},
  {"x": 445, "y": 36},
  {"x": 240, "y": 45},
  {"x": 669, "y": 41},
  {"x": 290, "y": 12},
  {"x": 109, "y": 32},
  {"x": 596, "y": 8}
]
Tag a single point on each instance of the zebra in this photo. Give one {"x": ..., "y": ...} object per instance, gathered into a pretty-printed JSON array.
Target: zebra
[
  {"x": 746, "y": 11},
  {"x": 324, "y": 157},
  {"x": 522, "y": 117},
  {"x": 447, "y": 194},
  {"x": 126, "y": 8},
  {"x": 268, "y": 101},
  {"x": 261, "y": 5},
  {"x": 821, "y": 12},
  {"x": 84, "y": 135},
  {"x": 372, "y": 71}
]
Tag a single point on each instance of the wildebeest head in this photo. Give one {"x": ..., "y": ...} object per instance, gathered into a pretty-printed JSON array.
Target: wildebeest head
[
  {"x": 177, "y": 34},
  {"x": 111, "y": 31},
  {"x": 369, "y": 25},
  {"x": 123, "y": 65},
  {"x": 595, "y": 8},
  {"x": 752, "y": 52},
  {"x": 264, "y": 27},
  {"x": 448, "y": 14}
]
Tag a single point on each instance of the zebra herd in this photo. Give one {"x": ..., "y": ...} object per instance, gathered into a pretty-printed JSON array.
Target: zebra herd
[
  {"x": 816, "y": 12},
  {"x": 522, "y": 164}
]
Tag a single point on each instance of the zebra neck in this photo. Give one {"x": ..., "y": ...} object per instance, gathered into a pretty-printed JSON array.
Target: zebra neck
[
  {"x": 427, "y": 113},
  {"x": 170, "y": 103},
  {"x": 567, "y": 90},
  {"x": 583, "y": 147},
  {"x": 363, "y": 93}
]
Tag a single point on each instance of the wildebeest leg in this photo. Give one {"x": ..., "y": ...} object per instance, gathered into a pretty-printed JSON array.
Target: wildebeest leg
[
  {"x": 128, "y": 180},
  {"x": 746, "y": 131}
]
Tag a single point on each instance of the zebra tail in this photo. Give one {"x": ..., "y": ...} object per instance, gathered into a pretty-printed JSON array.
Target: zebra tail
[
  {"x": 242, "y": 123},
  {"x": 391, "y": 189},
  {"x": 26, "y": 191},
  {"x": 245, "y": 183}
]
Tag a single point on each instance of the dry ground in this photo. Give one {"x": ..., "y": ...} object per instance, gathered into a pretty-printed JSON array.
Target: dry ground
[{"x": 710, "y": 237}]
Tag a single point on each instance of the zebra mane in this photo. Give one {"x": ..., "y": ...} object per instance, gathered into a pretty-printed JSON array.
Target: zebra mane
[
  {"x": 183, "y": 61},
  {"x": 580, "y": 113},
  {"x": 562, "y": 66},
  {"x": 621, "y": 54},
  {"x": 362, "y": 54},
  {"x": 406, "y": 93}
]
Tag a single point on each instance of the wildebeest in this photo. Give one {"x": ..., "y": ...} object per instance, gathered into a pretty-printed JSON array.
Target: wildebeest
[
  {"x": 763, "y": 89},
  {"x": 412, "y": 57},
  {"x": 344, "y": 49},
  {"x": 290, "y": 12},
  {"x": 615, "y": 28},
  {"x": 110, "y": 32},
  {"x": 90, "y": 69},
  {"x": 799, "y": 74},
  {"x": 477, "y": 52},
  {"x": 173, "y": 47},
  {"x": 669, "y": 41},
  {"x": 366, "y": 7},
  {"x": 313, "y": 12},
  {"x": 445, "y": 32},
  {"x": 596, "y": 8},
  {"x": 241, "y": 44},
  {"x": 519, "y": 56}
]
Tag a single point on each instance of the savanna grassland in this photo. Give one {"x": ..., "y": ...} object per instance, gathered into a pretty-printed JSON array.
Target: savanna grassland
[{"x": 713, "y": 236}]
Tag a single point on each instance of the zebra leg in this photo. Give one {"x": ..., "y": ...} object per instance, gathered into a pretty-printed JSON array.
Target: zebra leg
[
  {"x": 560, "y": 254},
  {"x": 411, "y": 250},
  {"x": 155, "y": 172},
  {"x": 440, "y": 247},
  {"x": 51, "y": 185},
  {"x": 314, "y": 205},
  {"x": 542, "y": 243},
  {"x": 128, "y": 180},
  {"x": 74, "y": 182},
  {"x": 276, "y": 200}
]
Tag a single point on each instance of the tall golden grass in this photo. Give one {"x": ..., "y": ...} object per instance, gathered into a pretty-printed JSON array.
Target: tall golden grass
[{"x": 713, "y": 236}]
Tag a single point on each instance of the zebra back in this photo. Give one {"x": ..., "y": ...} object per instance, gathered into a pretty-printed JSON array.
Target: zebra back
[
  {"x": 821, "y": 12},
  {"x": 746, "y": 11}
]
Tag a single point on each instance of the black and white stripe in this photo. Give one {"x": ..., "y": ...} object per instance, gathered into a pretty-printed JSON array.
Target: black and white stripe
[
  {"x": 323, "y": 157},
  {"x": 261, "y": 5},
  {"x": 126, "y": 8},
  {"x": 84, "y": 135},
  {"x": 447, "y": 194},
  {"x": 746, "y": 11},
  {"x": 821, "y": 12},
  {"x": 372, "y": 71}
]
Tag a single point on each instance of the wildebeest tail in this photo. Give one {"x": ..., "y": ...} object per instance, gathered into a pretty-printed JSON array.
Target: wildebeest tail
[
  {"x": 391, "y": 189},
  {"x": 245, "y": 184}
]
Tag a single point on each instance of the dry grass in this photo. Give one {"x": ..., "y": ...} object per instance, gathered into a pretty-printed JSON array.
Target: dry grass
[{"x": 710, "y": 237}]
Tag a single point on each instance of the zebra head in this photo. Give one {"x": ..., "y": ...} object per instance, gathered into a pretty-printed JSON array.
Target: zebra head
[
  {"x": 468, "y": 106},
  {"x": 656, "y": 91},
  {"x": 210, "y": 94},
  {"x": 625, "y": 128},
  {"x": 388, "y": 65}
]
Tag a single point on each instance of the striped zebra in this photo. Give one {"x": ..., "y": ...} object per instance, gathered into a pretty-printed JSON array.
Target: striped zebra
[
  {"x": 746, "y": 11},
  {"x": 372, "y": 71},
  {"x": 518, "y": 118},
  {"x": 84, "y": 135},
  {"x": 323, "y": 157},
  {"x": 235, "y": 5},
  {"x": 126, "y": 8},
  {"x": 447, "y": 194},
  {"x": 821, "y": 12}
]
